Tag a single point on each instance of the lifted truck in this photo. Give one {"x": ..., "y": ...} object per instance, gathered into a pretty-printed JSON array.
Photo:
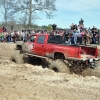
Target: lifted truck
[{"x": 56, "y": 54}]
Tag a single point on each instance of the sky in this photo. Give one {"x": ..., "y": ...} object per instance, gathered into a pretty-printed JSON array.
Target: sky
[{"x": 71, "y": 11}]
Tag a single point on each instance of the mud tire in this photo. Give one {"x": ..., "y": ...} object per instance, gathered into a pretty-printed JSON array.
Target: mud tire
[
  {"x": 59, "y": 66},
  {"x": 17, "y": 57}
]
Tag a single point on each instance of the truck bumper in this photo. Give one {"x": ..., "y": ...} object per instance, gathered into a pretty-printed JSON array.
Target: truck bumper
[
  {"x": 91, "y": 62},
  {"x": 83, "y": 59}
]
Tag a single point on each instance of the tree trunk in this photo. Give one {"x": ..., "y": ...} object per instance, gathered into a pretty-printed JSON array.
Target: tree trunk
[{"x": 30, "y": 15}]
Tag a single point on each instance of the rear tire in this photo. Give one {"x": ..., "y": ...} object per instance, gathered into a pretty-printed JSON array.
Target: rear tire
[
  {"x": 17, "y": 57},
  {"x": 59, "y": 66}
]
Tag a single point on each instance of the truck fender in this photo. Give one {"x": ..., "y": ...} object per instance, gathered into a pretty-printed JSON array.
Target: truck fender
[{"x": 59, "y": 55}]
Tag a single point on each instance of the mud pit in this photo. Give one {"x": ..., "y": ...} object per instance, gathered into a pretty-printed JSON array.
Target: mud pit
[{"x": 28, "y": 82}]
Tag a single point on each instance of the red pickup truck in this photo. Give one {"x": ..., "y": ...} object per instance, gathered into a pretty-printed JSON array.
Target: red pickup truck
[{"x": 56, "y": 54}]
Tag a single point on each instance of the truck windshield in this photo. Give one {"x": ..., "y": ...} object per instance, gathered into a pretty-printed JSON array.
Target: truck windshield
[{"x": 31, "y": 39}]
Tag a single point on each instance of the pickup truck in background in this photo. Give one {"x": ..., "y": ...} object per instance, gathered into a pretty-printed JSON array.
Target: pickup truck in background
[{"x": 55, "y": 54}]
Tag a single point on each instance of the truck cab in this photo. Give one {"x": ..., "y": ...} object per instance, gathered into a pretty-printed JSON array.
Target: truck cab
[{"x": 38, "y": 43}]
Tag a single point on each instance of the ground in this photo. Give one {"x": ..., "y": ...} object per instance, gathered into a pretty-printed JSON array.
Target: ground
[{"x": 28, "y": 82}]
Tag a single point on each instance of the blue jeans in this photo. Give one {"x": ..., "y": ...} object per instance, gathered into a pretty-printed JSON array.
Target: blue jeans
[
  {"x": 71, "y": 40},
  {"x": 2, "y": 39},
  {"x": 75, "y": 37},
  {"x": 94, "y": 40},
  {"x": 80, "y": 40}
]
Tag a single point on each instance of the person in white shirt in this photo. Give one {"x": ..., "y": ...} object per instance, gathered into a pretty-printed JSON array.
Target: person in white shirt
[{"x": 79, "y": 35}]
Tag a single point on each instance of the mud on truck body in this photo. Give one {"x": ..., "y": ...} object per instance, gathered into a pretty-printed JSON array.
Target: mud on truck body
[{"x": 55, "y": 54}]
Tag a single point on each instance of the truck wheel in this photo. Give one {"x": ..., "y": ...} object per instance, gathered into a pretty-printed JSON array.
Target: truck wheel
[
  {"x": 17, "y": 58},
  {"x": 59, "y": 66}
]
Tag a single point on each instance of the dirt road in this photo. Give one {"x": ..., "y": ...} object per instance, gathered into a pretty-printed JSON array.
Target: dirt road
[{"x": 28, "y": 82}]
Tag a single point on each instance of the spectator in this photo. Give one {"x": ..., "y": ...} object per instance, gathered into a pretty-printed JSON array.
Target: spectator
[
  {"x": 24, "y": 35},
  {"x": 32, "y": 32},
  {"x": 2, "y": 37},
  {"x": 72, "y": 27},
  {"x": 12, "y": 36},
  {"x": 88, "y": 35},
  {"x": 94, "y": 32},
  {"x": 71, "y": 38},
  {"x": 54, "y": 26},
  {"x": 75, "y": 27},
  {"x": 9, "y": 37},
  {"x": 75, "y": 36},
  {"x": 79, "y": 35},
  {"x": 99, "y": 36}
]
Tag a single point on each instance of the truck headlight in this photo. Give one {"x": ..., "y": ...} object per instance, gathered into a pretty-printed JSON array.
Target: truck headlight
[{"x": 90, "y": 60}]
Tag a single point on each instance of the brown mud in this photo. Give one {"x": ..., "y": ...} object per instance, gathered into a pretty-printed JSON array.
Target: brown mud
[{"x": 28, "y": 82}]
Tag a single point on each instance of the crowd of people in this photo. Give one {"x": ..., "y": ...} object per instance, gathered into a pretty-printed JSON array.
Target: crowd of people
[
  {"x": 22, "y": 35},
  {"x": 15, "y": 35},
  {"x": 80, "y": 35},
  {"x": 77, "y": 34}
]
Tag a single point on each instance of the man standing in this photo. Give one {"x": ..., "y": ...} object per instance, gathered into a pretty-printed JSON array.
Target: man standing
[
  {"x": 94, "y": 32},
  {"x": 54, "y": 26}
]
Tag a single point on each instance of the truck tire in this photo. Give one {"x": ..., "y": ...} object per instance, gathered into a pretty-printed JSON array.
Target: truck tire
[
  {"x": 17, "y": 57},
  {"x": 59, "y": 66}
]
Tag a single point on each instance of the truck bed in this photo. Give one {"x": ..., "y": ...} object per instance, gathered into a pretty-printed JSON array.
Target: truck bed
[{"x": 85, "y": 49}]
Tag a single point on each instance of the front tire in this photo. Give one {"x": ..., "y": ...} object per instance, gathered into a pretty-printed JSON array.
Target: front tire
[
  {"x": 17, "y": 58},
  {"x": 59, "y": 66}
]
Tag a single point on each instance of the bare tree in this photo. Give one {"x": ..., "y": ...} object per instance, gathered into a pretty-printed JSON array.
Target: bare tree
[
  {"x": 32, "y": 7},
  {"x": 5, "y": 10},
  {"x": 23, "y": 19}
]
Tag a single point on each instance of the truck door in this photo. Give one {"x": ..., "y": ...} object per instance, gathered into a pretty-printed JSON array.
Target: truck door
[
  {"x": 28, "y": 46},
  {"x": 40, "y": 45}
]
